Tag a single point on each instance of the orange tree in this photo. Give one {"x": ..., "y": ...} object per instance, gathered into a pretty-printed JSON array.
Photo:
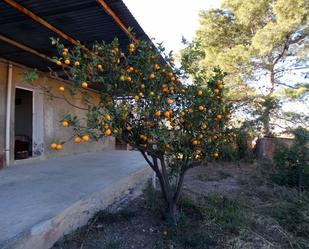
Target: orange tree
[{"x": 144, "y": 102}]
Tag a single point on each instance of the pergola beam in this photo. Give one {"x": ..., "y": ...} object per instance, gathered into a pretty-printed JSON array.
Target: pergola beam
[
  {"x": 110, "y": 12},
  {"x": 25, "y": 48}
]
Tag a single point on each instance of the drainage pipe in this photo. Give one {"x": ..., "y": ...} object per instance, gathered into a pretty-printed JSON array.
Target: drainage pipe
[{"x": 8, "y": 115}]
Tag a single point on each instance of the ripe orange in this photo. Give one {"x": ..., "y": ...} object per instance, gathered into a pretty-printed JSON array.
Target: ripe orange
[
  {"x": 65, "y": 124},
  {"x": 85, "y": 138},
  {"x": 219, "y": 116},
  {"x": 65, "y": 50},
  {"x": 194, "y": 142},
  {"x": 173, "y": 78},
  {"x": 100, "y": 67},
  {"x": 215, "y": 154},
  {"x": 157, "y": 67},
  {"x": 67, "y": 62},
  {"x": 108, "y": 117},
  {"x": 149, "y": 140},
  {"x": 131, "y": 45},
  {"x": 220, "y": 86},
  {"x": 199, "y": 93},
  {"x": 129, "y": 79},
  {"x": 200, "y": 136},
  {"x": 169, "y": 101},
  {"x": 152, "y": 76},
  {"x": 122, "y": 78},
  {"x": 142, "y": 86},
  {"x": 58, "y": 62},
  {"x": 167, "y": 114},
  {"x": 64, "y": 53},
  {"x": 204, "y": 126},
  {"x": 61, "y": 88},
  {"x": 136, "y": 97},
  {"x": 84, "y": 85},
  {"x": 59, "y": 147},
  {"x": 77, "y": 140},
  {"x": 108, "y": 132},
  {"x": 157, "y": 114},
  {"x": 129, "y": 128},
  {"x": 165, "y": 90},
  {"x": 201, "y": 108},
  {"x": 141, "y": 94},
  {"x": 76, "y": 63},
  {"x": 53, "y": 146},
  {"x": 151, "y": 93},
  {"x": 216, "y": 91}
]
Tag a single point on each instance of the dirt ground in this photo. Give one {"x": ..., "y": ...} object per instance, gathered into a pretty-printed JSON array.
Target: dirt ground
[{"x": 226, "y": 205}]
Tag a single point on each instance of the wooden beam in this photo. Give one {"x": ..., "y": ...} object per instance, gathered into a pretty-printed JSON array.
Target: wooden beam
[
  {"x": 25, "y": 48},
  {"x": 40, "y": 20},
  {"x": 109, "y": 11}
]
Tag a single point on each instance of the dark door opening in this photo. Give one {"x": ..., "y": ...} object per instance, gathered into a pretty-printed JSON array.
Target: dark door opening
[{"x": 23, "y": 123}]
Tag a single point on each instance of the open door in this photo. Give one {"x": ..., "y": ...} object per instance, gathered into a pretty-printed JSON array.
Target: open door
[{"x": 23, "y": 124}]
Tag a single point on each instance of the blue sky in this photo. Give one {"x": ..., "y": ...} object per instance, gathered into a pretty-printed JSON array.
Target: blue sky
[{"x": 169, "y": 20}]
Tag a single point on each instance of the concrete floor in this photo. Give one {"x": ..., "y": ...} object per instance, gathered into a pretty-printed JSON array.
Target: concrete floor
[{"x": 33, "y": 193}]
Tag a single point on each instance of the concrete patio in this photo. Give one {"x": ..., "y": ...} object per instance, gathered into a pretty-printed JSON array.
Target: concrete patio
[{"x": 41, "y": 201}]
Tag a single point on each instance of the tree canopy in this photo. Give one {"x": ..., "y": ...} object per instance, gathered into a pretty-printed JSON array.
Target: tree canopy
[
  {"x": 144, "y": 102},
  {"x": 259, "y": 45}
]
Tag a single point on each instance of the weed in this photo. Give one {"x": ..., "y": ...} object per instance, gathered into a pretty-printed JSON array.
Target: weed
[
  {"x": 227, "y": 213},
  {"x": 221, "y": 175}
]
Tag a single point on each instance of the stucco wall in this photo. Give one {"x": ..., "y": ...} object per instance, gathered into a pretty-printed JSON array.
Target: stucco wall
[{"x": 47, "y": 112}]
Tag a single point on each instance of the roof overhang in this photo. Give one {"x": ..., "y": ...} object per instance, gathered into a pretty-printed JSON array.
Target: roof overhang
[{"x": 27, "y": 25}]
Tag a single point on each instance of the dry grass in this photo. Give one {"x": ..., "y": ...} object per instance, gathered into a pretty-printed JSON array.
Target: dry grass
[{"x": 224, "y": 206}]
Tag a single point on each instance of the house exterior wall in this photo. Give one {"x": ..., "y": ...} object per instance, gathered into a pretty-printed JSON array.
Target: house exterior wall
[{"x": 47, "y": 114}]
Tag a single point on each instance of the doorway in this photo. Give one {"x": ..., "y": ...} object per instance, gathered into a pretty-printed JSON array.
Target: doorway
[{"x": 23, "y": 124}]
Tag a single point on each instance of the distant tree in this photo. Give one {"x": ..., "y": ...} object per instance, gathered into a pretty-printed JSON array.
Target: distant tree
[
  {"x": 260, "y": 45},
  {"x": 143, "y": 102}
]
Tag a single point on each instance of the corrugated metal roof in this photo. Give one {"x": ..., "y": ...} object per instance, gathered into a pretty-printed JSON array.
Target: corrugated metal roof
[{"x": 84, "y": 20}]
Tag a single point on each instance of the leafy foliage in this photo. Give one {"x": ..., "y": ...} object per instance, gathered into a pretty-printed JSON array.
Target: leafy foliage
[
  {"x": 260, "y": 45},
  {"x": 144, "y": 103},
  {"x": 292, "y": 164}
]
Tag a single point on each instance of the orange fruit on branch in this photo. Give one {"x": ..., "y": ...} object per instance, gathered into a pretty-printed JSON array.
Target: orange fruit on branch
[
  {"x": 199, "y": 93},
  {"x": 108, "y": 132},
  {"x": 53, "y": 146},
  {"x": 85, "y": 138},
  {"x": 65, "y": 124},
  {"x": 59, "y": 147},
  {"x": 61, "y": 89},
  {"x": 201, "y": 108},
  {"x": 169, "y": 101},
  {"x": 84, "y": 84},
  {"x": 157, "y": 114},
  {"x": 77, "y": 140}
]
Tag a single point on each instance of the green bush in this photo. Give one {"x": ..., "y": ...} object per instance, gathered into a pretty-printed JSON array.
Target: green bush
[
  {"x": 236, "y": 146},
  {"x": 292, "y": 163}
]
